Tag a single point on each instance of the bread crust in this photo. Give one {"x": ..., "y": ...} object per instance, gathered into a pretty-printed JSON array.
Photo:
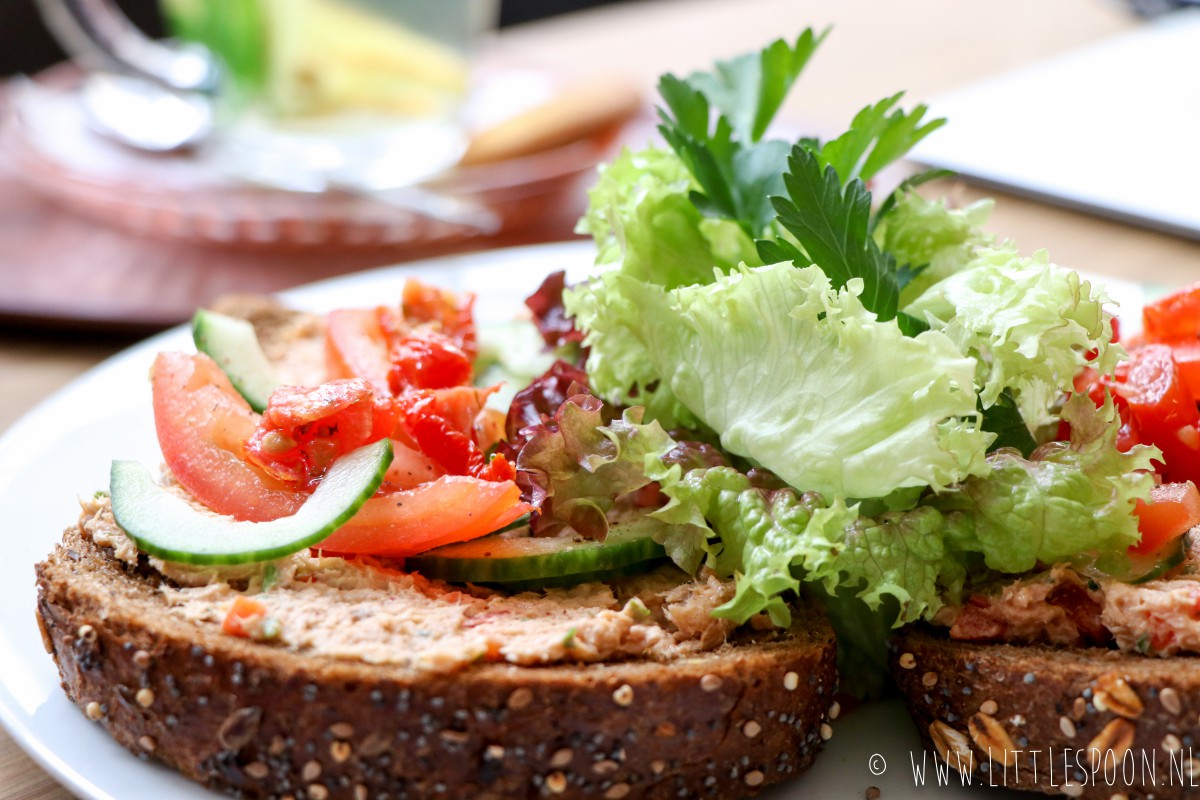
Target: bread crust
[
  {"x": 1139, "y": 714},
  {"x": 259, "y": 721}
]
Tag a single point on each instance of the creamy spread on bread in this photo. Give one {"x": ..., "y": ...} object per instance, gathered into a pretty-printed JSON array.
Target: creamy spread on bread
[
  {"x": 369, "y": 611},
  {"x": 1060, "y": 606}
]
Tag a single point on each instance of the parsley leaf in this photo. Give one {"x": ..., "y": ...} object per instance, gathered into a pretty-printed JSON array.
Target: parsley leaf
[
  {"x": 831, "y": 223},
  {"x": 749, "y": 90},
  {"x": 1003, "y": 418},
  {"x": 737, "y": 173},
  {"x": 879, "y": 135}
]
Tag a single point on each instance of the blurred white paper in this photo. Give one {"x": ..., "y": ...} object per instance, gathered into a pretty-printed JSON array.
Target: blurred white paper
[{"x": 1113, "y": 128}]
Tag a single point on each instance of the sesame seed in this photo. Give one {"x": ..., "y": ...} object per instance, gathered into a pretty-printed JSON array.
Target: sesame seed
[
  {"x": 148, "y": 744},
  {"x": 562, "y": 757},
  {"x": 754, "y": 778},
  {"x": 835, "y": 710},
  {"x": 341, "y": 730},
  {"x": 1170, "y": 700},
  {"x": 1071, "y": 789},
  {"x": 144, "y": 697},
  {"x": 361, "y": 792},
  {"x": 311, "y": 771},
  {"x": 826, "y": 731},
  {"x": 1119, "y": 796},
  {"x": 1029, "y": 677},
  {"x": 519, "y": 699},
  {"x": 257, "y": 770},
  {"x": 556, "y": 782},
  {"x": 658, "y": 766},
  {"x": 141, "y": 658},
  {"x": 623, "y": 696},
  {"x": 751, "y": 729},
  {"x": 1171, "y": 743},
  {"x": 1067, "y": 727},
  {"x": 791, "y": 681},
  {"x": 93, "y": 711},
  {"x": 929, "y": 680},
  {"x": 317, "y": 791},
  {"x": 86, "y": 633},
  {"x": 340, "y": 751},
  {"x": 605, "y": 767},
  {"x": 989, "y": 707},
  {"x": 617, "y": 791},
  {"x": 1079, "y": 708},
  {"x": 908, "y": 661},
  {"x": 710, "y": 682}
]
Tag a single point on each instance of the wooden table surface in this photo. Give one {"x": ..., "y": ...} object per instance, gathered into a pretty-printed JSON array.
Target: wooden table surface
[{"x": 925, "y": 46}]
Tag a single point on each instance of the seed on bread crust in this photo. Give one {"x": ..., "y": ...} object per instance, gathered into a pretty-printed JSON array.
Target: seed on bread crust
[
  {"x": 1113, "y": 694},
  {"x": 992, "y": 739},
  {"x": 1170, "y": 700},
  {"x": 952, "y": 746},
  {"x": 1116, "y": 738}
]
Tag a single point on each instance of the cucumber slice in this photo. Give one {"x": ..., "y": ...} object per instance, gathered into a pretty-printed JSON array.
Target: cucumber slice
[
  {"x": 232, "y": 343},
  {"x": 164, "y": 525},
  {"x": 1153, "y": 566},
  {"x": 530, "y": 560}
]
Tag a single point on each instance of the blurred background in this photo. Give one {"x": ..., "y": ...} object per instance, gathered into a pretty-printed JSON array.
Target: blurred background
[{"x": 35, "y": 49}]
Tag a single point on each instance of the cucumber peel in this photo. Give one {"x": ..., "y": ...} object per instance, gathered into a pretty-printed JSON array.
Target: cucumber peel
[
  {"x": 164, "y": 525},
  {"x": 527, "y": 561},
  {"x": 232, "y": 343}
]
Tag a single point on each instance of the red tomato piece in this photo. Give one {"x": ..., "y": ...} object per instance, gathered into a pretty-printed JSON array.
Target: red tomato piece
[
  {"x": 426, "y": 361},
  {"x": 442, "y": 311},
  {"x": 1173, "y": 510},
  {"x": 1174, "y": 317},
  {"x": 304, "y": 429},
  {"x": 355, "y": 346},
  {"x": 445, "y": 425},
  {"x": 245, "y": 618},
  {"x": 1162, "y": 410},
  {"x": 1187, "y": 359},
  {"x": 453, "y": 508},
  {"x": 203, "y": 424}
]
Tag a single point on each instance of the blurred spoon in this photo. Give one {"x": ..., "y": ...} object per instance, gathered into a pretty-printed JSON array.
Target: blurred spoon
[{"x": 145, "y": 115}]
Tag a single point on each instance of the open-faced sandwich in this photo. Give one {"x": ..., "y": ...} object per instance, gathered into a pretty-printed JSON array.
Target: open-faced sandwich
[
  {"x": 357, "y": 577},
  {"x": 1082, "y": 657}
]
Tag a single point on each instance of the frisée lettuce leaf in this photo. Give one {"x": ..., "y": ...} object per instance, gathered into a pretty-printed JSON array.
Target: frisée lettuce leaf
[{"x": 801, "y": 379}]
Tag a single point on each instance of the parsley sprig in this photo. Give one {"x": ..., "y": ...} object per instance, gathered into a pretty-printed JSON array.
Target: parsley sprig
[{"x": 715, "y": 122}]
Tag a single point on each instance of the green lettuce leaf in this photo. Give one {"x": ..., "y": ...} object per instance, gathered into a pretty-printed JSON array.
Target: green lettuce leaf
[
  {"x": 927, "y": 234},
  {"x": 643, "y": 221},
  {"x": 1029, "y": 323},
  {"x": 801, "y": 379},
  {"x": 772, "y": 538},
  {"x": 1067, "y": 499}
]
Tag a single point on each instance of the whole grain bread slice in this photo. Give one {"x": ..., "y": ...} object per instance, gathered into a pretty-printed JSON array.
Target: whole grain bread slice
[
  {"x": 1103, "y": 724},
  {"x": 257, "y": 720}
]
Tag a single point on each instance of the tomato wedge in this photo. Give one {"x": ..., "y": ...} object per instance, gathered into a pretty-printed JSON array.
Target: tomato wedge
[
  {"x": 355, "y": 346},
  {"x": 203, "y": 424},
  {"x": 1174, "y": 317},
  {"x": 1163, "y": 410},
  {"x": 1173, "y": 510},
  {"x": 453, "y": 508}
]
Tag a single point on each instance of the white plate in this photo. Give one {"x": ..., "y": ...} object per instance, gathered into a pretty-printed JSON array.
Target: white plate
[{"x": 63, "y": 449}]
